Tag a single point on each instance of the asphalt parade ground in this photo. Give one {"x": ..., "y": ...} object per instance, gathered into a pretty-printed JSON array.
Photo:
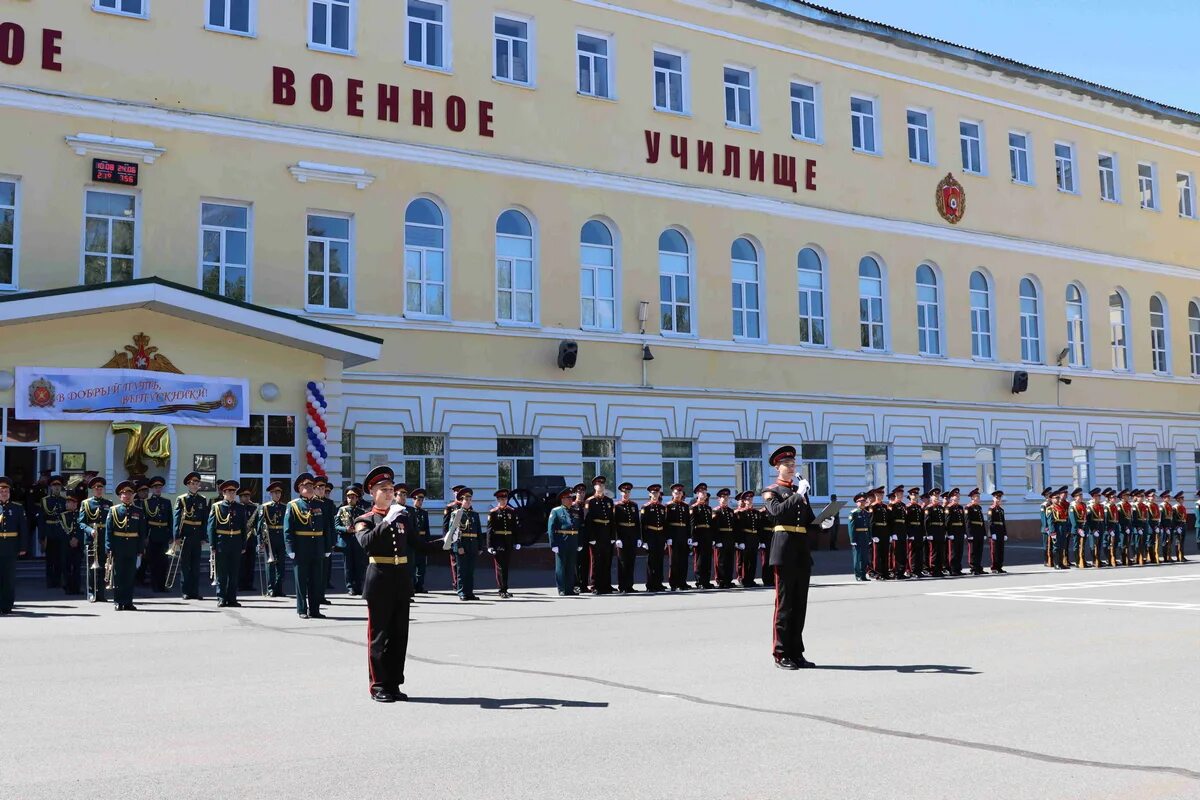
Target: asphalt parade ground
[{"x": 1036, "y": 684}]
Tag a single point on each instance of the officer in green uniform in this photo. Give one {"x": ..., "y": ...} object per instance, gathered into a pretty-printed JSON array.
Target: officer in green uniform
[
  {"x": 51, "y": 535},
  {"x": 190, "y": 517},
  {"x": 13, "y": 537},
  {"x": 247, "y": 566},
  {"x": 724, "y": 542},
  {"x": 93, "y": 516},
  {"x": 352, "y": 554},
  {"x": 653, "y": 523},
  {"x": 501, "y": 539},
  {"x": 465, "y": 551},
  {"x": 227, "y": 534},
  {"x": 859, "y": 525},
  {"x": 563, "y": 532},
  {"x": 322, "y": 488},
  {"x": 306, "y": 529},
  {"x": 125, "y": 534},
  {"x": 418, "y": 559},
  {"x": 74, "y": 550},
  {"x": 270, "y": 537},
  {"x": 158, "y": 533}
]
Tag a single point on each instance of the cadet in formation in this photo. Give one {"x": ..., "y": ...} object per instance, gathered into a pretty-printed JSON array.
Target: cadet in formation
[
  {"x": 51, "y": 535},
  {"x": 352, "y": 556},
  {"x": 306, "y": 535},
  {"x": 627, "y": 537},
  {"x": 124, "y": 534},
  {"x": 418, "y": 560},
  {"x": 465, "y": 543},
  {"x": 93, "y": 517},
  {"x": 14, "y": 535},
  {"x": 501, "y": 539},
  {"x": 74, "y": 551},
  {"x": 190, "y": 519},
  {"x": 227, "y": 539},
  {"x": 270, "y": 538},
  {"x": 562, "y": 530},
  {"x": 158, "y": 533}
]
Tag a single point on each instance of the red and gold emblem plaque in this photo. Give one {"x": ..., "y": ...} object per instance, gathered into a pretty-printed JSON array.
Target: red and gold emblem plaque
[{"x": 951, "y": 199}]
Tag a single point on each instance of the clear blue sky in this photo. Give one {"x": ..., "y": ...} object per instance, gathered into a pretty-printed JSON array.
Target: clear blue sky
[{"x": 1146, "y": 47}]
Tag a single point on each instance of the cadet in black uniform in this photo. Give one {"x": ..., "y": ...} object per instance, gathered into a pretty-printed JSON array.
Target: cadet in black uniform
[
  {"x": 956, "y": 531},
  {"x": 124, "y": 537},
  {"x": 191, "y": 515},
  {"x": 914, "y": 520},
  {"x": 93, "y": 516},
  {"x": 227, "y": 539},
  {"x": 14, "y": 535},
  {"x": 597, "y": 514},
  {"x": 583, "y": 560},
  {"x": 745, "y": 522},
  {"x": 935, "y": 533},
  {"x": 628, "y": 538},
  {"x": 976, "y": 532},
  {"x": 679, "y": 533},
  {"x": 702, "y": 537},
  {"x": 724, "y": 541},
  {"x": 383, "y": 535},
  {"x": 787, "y": 503},
  {"x": 997, "y": 531},
  {"x": 501, "y": 539},
  {"x": 654, "y": 537},
  {"x": 418, "y": 560},
  {"x": 898, "y": 538},
  {"x": 880, "y": 536}
]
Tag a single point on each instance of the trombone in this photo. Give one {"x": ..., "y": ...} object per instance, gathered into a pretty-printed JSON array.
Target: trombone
[{"x": 174, "y": 556}]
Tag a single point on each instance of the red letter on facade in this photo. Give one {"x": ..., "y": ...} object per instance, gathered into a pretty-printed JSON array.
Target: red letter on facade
[
  {"x": 679, "y": 150},
  {"x": 12, "y": 43},
  {"x": 810, "y": 175},
  {"x": 283, "y": 82},
  {"x": 51, "y": 49},
  {"x": 783, "y": 170},
  {"x": 422, "y": 111},
  {"x": 704, "y": 155},
  {"x": 456, "y": 113},
  {"x": 733, "y": 161},
  {"x": 389, "y": 102},
  {"x": 758, "y": 165},
  {"x": 653, "y": 142},
  {"x": 485, "y": 119},
  {"x": 354, "y": 89},
  {"x": 321, "y": 91}
]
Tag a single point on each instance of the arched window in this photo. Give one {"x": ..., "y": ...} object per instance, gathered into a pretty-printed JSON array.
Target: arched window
[
  {"x": 424, "y": 259},
  {"x": 746, "y": 290},
  {"x": 1031, "y": 322},
  {"x": 981, "y": 316},
  {"x": 1158, "y": 334},
  {"x": 929, "y": 312},
  {"x": 598, "y": 276},
  {"x": 812, "y": 297},
  {"x": 870, "y": 304},
  {"x": 1076, "y": 328},
  {"x": 675, "y": 282},
  {"x": 1118, "y": 324},
  {"x": 1194, "y": 335},
  {"x": 515, "y": 295}
]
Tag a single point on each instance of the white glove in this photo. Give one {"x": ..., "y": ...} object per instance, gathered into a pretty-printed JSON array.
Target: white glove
[
  {"x": 691, "y": 542},
  {"x": 802, "y": 486},
  {"x": 874, "y": 538},
  {"x": 553, "y": 549},
  {"x": 329, "y": 554},
  {"x": 392, "y": 513},
  {"x": 893, "y": 538},
  {"x": 719, "y": 545},
  {"x": 642, "y": 545},
  {"x": 762, "y": 547},
  {"x": 578, "y": 549},
  {"x": 620, "y": 544},
  {"x": 492, "y": 551},
  {"x": 827, "y": 524},
  {"x": 741, "y": 547},
  {"x": 291, "y": 555},
  {"x": 669, "y": 542},
  {"x": 516, "y": 547},
  {"x": 591, "y": 543}
]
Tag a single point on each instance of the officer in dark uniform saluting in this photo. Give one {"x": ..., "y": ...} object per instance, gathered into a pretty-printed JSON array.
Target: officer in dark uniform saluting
[
  {"x": 191, "y": 515},
  {"x": 654, "y": 537},
  {"x": 14, "y": 535},
  {"x": 627, "y": 538},
  {"x": 501, "y": 539},
  {"x": 383, "y": 536},
  {"x": 227, "y": 539},
  {"x": 305, "y": 532},
  {"x": 787, "y": 503},
  {"x": 464, "y": 553},
  {"x": 679, "y": 532},
  {"x": 93, "y": 516},
  {"x": 270, "y": 537},
  {"x": 124, "y": 537}
]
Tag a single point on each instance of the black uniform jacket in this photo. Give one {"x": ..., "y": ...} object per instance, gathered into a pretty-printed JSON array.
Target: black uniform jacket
[
  {"x": 386, "y": 546},
  {"x": 789, "y": 513}
]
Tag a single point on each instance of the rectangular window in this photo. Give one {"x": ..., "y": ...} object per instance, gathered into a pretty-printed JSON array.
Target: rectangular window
[
  {"x": 1166, "y": 470},
  {"x": 677, "y": 464},
  {"x": 231, "y": 16},
  {"x": 514, "y": 462},
  {"x": 1148, "y": 186},
  {"x": 264, "y": 452},
  {"x": 970, "y": 138},
  {"x": 424, "y": 460},
  {"x": 918, "y": 136},
  {"x": 670, "y": 89},
  {"x": 595, "y": 73},
  {"x": 1064, "y": 166},
  {"x": 600, "y": 458},
  {"x": 878, "y": 468},
  {"x": 933, "y": 468},
  {"x": 8, "y": 233},
  {"x": 1018, "y": 157},
  {"x": 748, "y": 458},
  {"x": 349, "y": 455},
  {"x": 1081, "y": 467},
  {"x": 1108, "y": 177},
  {"x": 427, "y": 34},
  {"x": 814, "y": 466},
  {"x": 513, "y": 56},
  {"x": 986, "y": 470},
  {"x": 129, "y": 8},
  {"x": 329, "y": 262},
  {"x": 739, "y": 97},
  {"x": 225, "y": 249},
  {"x": 1035, "y": 470},
  {"x": 805, "y": 119},
  {"x": 331, "y": 25},
  {"x": 1125, "y": 468},
  {"x": 1158, "y": 336},
  {"x": 862, "y": 124},
  {"x": 1185, "y": 186},
  {"x": 110, "y": 237}
]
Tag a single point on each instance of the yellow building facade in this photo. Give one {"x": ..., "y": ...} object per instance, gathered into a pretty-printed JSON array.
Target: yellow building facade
[{"x": 823, "y": 231}]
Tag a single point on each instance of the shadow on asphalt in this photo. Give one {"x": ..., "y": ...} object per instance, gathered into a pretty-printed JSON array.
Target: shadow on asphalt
[
  {"x": 906, "y": 669},
  {"x": 17, "y": 612},
  {"x": 511, "y": 704}
]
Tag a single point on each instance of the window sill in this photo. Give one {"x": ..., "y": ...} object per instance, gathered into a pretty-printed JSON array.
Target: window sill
[
  {"x": 1030, "y": 184},
  {"x": 674, "y": 335},
  {"x": 341, "y": 312},
  {"x": 984, "y": 359},
  {"x": 504, "y": 323},
  {"x": 411, "y": 315},
  {"x": 334, "y": 51},
  {"x": 933, "y": 356},
  {"x": 875, "y": 351},
  {"x": 9, "y": 288},
  {"x": 1151, "y": 208},
  {"x": 232, "y": 32},
  {"x": 749, "y": 339},
  {"x": 595, "y": 329},
  {"x": 599, "y": 97},
  {"x": 529, "y": 85},
  {"x": 817, "y": 141},
  {"x": 428, "y": 67},
  {"x": 1189, "y": 218},
  {"x": 974, "y": 174},
  {"x": 861, "y": 152},
  {"x": 1074, "y": 192},
  {"x": 673, "y": 113},
  {"x": 811, "y": 346},
  {"x": 920, "y": 163},
  {"x": 117, "y": 13},
  {"x": 733, "y": 126}
]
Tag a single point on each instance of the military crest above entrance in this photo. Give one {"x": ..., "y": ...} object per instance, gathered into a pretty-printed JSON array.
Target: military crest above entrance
[{"x": 141, "y": 355}]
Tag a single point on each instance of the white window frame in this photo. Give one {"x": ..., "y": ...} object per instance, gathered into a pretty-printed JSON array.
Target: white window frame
[
  {"x": 1077, "y": 327},
  {"x": 823, "y": 291},
  {"x": 684, "y": 73},
  {"x": 1110, "y": 183},
  {"x": 675, "y": 462},
  {"x": 1028, "y": 343},
  {"x": 326, "y": 308},
  {"x": 1164, "y": 469},
  {"x": 869, "y": 320},
  {"x": 743, "y": 311},
  {"x": 1035, "y": 462},
  {"x": 745, "y": 465},
  {"x": 16, "y": 242},
  {"x": 1086, "y": 477},
  {"x": 982, "y": 464},
  {"x": 516, "y": 461},
  {"x": 534, "y": 271},
  {"x": 965, "y": 139},
  {"x": 807, "y": 458},
  {"x": 616, "y": 278},
  {"x": 1194, "y": 337},
  {"x": 424, "y": 282},
  {"x": 933, "y": 462},
  {"x": 751, "y": 89},
  {"x": 930, "y": 328},
  {"x": 251, "y": 19},
  {"x": 983, "y": 318},
  {"x": 1150, "y": 182},
  {"x": 1160, "y": 339},
  {"x": 352, "y": 27},
  {"x": 1020, "y": 155},
  {"x": 870, "y": 473},
  {"x": 145, "y": 13},
  {"x": 530, "y": 48},
  {"x": 817, "y": 136},
  {"x": 691, "y": 276},
  {"x": 1186, "y": 192},
  {"x": 1126, "y": 461},
  {"x": 858, "y": 125},
  {"x": 1061, "y": 173},
  {"x": 447, "y": 39},
  {"x": 915, "y": 132},
  {"x": 266, "y": 450},
  {"x": 609, "y": 64},
  {"x": 221, "y": 265},
  {"x": 137, "y": 232},
  {"x": 598, "y": 465},
  {"x": 422, "y": 461},
  {"x": 1118, "y": 336}
]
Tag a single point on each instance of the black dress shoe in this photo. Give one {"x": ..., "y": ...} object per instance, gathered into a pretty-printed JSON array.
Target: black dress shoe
[
  {"x": 317, "y": 615},
  {"x": 130, "y": 607},
  {"x": 382, "y": 696},
  {"x": 234, "y": 604},
  {"x": 303, "y": 616},
  {"x": 786, "y": 663},
  {"x": 804, "y": 663},
  {"x": 400, "y": 696},
  {"x": 221, "y": 604}
]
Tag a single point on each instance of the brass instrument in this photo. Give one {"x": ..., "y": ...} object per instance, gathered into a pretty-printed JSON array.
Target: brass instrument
[
  {"x": 108, "y": 574},
  {"x": 212, "y": 565},
  {"x": 174, "y": 557}
]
